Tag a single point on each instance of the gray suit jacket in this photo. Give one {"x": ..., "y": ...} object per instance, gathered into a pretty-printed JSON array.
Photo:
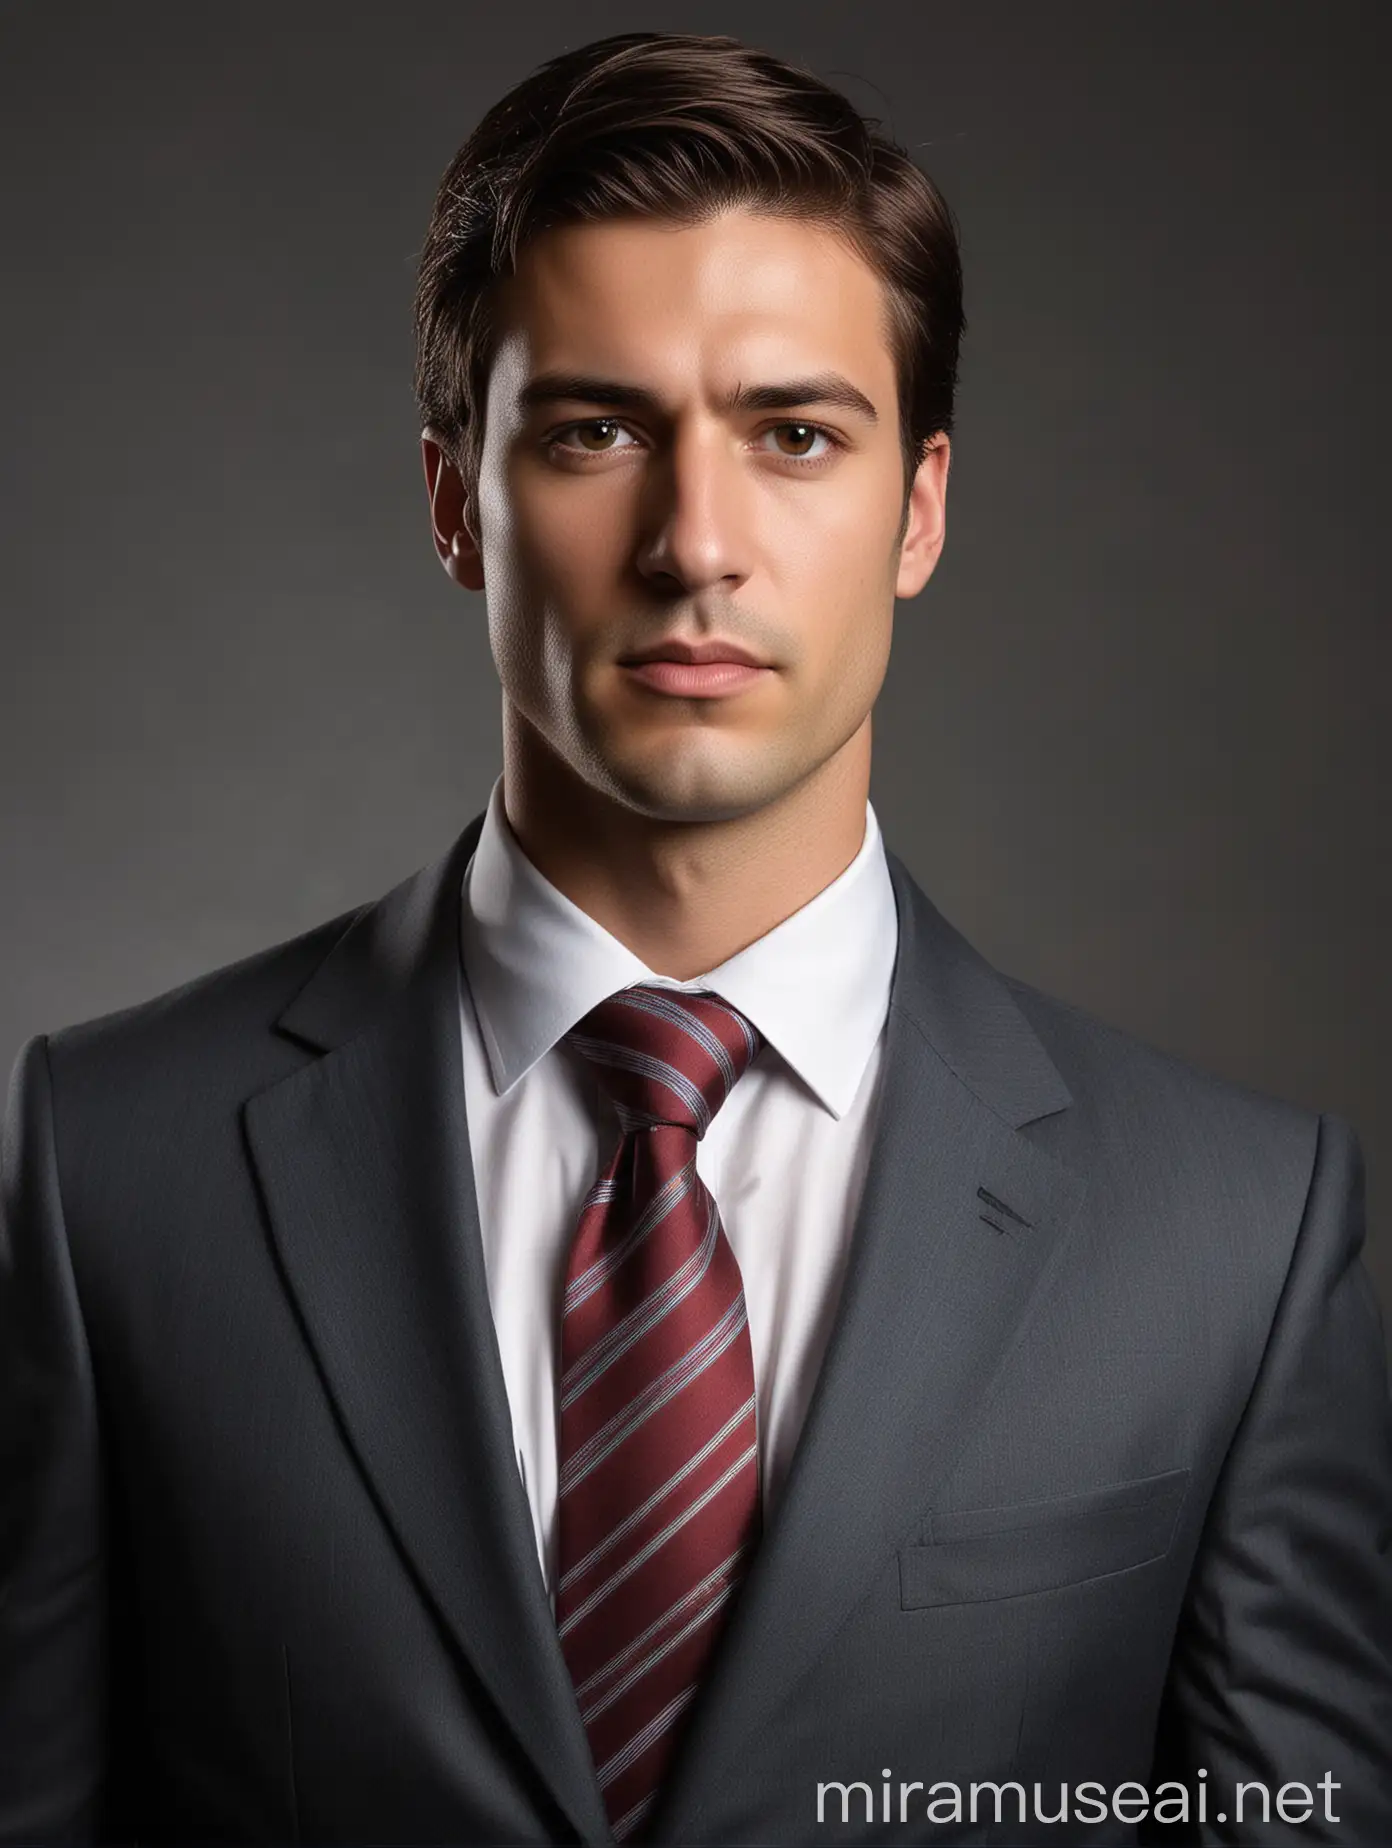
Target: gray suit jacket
[{"x": 1096, "y": 1483}]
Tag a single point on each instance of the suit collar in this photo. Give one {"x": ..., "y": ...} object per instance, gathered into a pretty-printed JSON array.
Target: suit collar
[
  {"x": 964, "y": 1010},
  {"x": 399, "y": 946},
  {"x": 958, "y": 1003}
]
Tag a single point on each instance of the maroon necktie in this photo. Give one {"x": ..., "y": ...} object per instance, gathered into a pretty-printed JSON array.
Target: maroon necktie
[{"x": 658, "y": 1458}]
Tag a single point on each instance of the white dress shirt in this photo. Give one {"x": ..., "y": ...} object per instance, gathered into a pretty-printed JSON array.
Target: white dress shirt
[{"x": 785, "y": 1156}]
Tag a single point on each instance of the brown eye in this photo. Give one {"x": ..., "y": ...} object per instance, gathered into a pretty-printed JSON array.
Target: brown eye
[
  {"x": 597, "y": 436},
  {"x": 800, "y": 438},
  {"x": 797, "y": 441}
]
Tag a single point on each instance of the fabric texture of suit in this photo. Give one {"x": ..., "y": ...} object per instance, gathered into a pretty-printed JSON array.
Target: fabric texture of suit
[{"x": 1096, "y": 1481}]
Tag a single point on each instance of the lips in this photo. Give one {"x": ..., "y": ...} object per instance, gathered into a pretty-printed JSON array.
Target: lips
[
  {"x": 696, "y": 670},
  {"x": 695, "y": 679},
  {"x": 694, "y": 654},
  {"x": 712, "y": 668}
]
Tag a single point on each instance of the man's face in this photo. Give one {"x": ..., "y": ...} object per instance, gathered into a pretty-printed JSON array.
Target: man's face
[{"x": 692, "y": 437}]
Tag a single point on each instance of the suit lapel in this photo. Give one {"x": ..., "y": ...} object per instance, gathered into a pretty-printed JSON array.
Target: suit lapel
[
  {"x": 958, "y": 1221},
  {"x": 363, "y": 1159}
]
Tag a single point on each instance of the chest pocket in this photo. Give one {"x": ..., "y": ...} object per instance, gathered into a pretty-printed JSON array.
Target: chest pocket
[{"x": 975, "y": 1554}]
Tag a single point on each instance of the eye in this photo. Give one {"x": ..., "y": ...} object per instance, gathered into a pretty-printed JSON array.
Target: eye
[
  {"x": 596, "y": 437},
  {"x": 797, "y": 441}
]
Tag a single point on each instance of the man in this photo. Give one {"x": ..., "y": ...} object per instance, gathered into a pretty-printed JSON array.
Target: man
[{"x": 641, "y": 1333}]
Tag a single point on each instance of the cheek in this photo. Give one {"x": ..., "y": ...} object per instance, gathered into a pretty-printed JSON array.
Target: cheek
[
  {"x": 854, "y": 649},
  {"x": 549, "y": 589},
  {"x": 570, "y": 535},
  {"x": 533, "y": 563},
  {"x": 858, "y": 664},
  {"x": 840, "y": 530},
  {"x": 839, "y": 582}
]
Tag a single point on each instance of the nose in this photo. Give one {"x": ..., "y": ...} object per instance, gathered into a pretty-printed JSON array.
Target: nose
[{"x": 694, "y": 517}]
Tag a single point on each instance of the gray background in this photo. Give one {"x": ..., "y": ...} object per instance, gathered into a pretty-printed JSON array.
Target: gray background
[{"x": 1135, "y": 739}]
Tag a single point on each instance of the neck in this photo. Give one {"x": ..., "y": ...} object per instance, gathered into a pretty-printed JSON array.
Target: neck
[{"x": 683, "y": 895}]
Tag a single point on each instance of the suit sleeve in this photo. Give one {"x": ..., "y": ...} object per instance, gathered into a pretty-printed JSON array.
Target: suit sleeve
[
  {"x": 51, "y": 1558},
  {"x": 1282, "y": 1672}
]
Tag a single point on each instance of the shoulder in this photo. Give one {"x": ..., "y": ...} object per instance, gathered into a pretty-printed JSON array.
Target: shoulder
[
  {"x": 209, "y": 1034},
  {"x": 1207, "y": 1194},
  {"x": 1150, "y": 1122},
  {"x": 135, "y": 1113},
  {"x": 164, "y": 1081}
]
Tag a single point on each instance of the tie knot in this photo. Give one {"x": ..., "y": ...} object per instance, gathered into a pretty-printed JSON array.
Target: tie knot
[{"x": 666, "y": 1056}]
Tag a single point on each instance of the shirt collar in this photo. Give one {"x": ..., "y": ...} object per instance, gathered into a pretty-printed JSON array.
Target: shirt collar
[{"x": 816, "y": 986}]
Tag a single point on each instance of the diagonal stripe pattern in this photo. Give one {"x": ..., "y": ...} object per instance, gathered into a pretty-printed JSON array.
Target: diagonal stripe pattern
[{"x": 659, "y": 1471}]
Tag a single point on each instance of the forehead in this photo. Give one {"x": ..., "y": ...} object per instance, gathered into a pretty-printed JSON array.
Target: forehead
[{"x": 738, "y": 298}]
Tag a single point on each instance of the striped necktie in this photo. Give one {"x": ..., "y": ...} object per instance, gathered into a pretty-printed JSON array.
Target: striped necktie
[{"x": 658, "y": 1458}]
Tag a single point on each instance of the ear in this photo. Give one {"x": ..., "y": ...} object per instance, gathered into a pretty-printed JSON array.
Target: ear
[
  {"x": 455, "y": 545},
  {"x": 925, "y": 526}
]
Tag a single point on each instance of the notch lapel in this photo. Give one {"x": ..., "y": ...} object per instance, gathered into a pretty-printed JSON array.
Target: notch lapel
[
  {"x": 364, "y": 1164},
  {"x": 958, "y": 1221}
]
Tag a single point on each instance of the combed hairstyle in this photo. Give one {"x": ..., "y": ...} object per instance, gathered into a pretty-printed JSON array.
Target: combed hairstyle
[{"x": 679, "y": 127}]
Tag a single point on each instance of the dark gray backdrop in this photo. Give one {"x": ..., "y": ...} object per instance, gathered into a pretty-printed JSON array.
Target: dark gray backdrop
[{"x": 1135, "y": 739}]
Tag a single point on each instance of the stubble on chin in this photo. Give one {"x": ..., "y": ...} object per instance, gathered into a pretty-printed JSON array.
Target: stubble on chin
[{"x": 701, "y": 777}]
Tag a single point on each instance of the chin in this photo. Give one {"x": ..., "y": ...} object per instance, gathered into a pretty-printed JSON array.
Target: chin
[{"x": 692, "y": 786}]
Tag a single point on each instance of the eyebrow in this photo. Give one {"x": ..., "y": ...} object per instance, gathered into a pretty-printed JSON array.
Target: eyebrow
[{"x": 823, "y": 388}]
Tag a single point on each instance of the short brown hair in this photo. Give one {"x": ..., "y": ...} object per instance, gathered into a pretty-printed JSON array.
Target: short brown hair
[{"x": 678, "y": 126}]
